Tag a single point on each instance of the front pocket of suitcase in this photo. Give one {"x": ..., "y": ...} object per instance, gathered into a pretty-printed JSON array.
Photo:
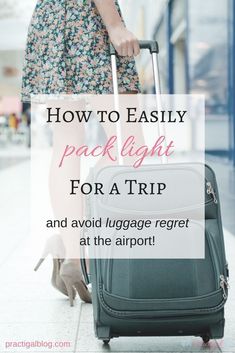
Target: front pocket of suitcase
[
  {"x": 187, "y": 201},
  {"x": 162, "y": 278},
  {"x": 138, "y": 287},
  {"x": 121, "y": 304}
]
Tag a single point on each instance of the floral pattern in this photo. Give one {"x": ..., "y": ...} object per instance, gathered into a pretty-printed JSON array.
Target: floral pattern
[{"x": 68, "y": 52}]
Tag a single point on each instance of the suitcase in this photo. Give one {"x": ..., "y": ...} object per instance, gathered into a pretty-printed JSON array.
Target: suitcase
[{"x": 161, "y": 297}]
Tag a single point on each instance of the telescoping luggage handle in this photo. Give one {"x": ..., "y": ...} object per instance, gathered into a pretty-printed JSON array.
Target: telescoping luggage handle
[{"x": 153, "y": 48}]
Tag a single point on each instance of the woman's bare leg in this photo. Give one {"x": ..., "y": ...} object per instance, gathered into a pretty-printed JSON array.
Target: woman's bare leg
[{"x": 64, "y": 204}]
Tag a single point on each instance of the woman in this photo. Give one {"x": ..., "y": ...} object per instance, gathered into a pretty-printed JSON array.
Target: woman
[
  {"x": 68, "y": 49},
  {"x": 68, "y": 52}
]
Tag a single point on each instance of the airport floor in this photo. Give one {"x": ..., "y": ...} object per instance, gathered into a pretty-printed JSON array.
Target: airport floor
[{"x": 31, "y": 310}]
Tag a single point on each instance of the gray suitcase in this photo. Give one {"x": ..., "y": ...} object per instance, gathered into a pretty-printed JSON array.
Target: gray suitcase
[{"x": 161, "y": 297}]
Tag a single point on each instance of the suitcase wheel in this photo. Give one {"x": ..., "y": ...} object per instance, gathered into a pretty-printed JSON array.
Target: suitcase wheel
[
  {"x": 106, "y": 341},
  {"x": 206, "y": 338}
]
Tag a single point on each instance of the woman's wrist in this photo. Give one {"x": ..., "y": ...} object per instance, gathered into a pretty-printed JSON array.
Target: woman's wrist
[
  {"x": 115, "y": 26},
  {"x": 109, "y": 13}
]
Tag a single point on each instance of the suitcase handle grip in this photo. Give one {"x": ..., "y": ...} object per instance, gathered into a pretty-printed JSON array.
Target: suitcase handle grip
[{"x": 151, "y": 45}]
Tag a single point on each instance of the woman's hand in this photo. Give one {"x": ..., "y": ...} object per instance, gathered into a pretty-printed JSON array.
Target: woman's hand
[{"x": 125, "y": 43}]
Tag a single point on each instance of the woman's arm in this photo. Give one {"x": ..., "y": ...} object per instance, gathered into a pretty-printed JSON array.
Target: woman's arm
[{"x": 123, "y": 40}]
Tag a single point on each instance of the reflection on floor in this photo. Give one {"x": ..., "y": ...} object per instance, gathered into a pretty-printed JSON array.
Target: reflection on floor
[
  {"x": 12, "y": 155},
  {"x": 32, "y": 311}
]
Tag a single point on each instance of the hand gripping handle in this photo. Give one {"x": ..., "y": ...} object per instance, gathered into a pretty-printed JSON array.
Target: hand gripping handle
[
  {"x": 153, "y": 48},
  {"x": 151, "y": 45}
]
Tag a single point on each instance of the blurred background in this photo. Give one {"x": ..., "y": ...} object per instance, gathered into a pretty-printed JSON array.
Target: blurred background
[
  {"x": 196, "y": 40},
  {"x": 197, "y": 55}
]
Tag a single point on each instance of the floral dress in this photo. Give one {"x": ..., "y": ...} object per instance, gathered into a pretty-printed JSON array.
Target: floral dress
[{"x": 68, "y": 52}]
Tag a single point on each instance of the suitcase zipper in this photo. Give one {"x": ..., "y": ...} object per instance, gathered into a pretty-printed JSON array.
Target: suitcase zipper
[
  {"x": 223, "y": 282},
  {"x": 213, "y": 256},
  {"x": 211, "y": 191},
  {"x": 224, "y": 285}
]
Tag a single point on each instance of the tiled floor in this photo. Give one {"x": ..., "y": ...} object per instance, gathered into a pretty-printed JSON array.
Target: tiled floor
[{"x": 31, "y": 310}]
